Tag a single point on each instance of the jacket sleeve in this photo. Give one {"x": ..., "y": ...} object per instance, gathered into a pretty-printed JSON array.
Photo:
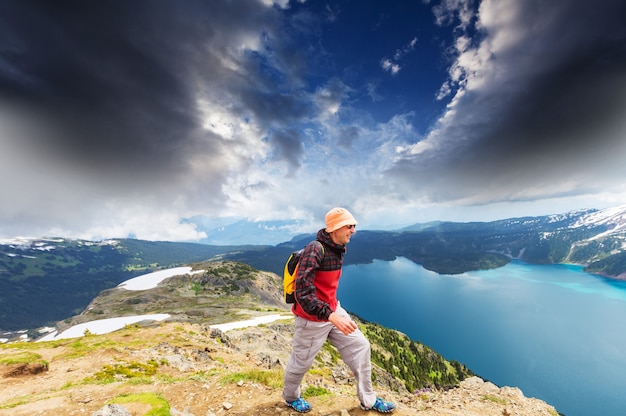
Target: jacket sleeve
[{"x": 306, "y": 294}]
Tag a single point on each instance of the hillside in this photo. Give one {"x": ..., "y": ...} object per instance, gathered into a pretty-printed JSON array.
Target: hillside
[
  {"x": 213, "y": 292},
  {"x": 186, "y": 366},
  {"x": 46, "y": 280},
  {"x": 191, "y": 370}
]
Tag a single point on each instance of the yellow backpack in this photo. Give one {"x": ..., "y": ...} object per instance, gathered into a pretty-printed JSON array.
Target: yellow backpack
[{"x": 291, "y": 272}]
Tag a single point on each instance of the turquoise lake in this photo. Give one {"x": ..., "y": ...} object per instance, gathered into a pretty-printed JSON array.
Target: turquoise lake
[{"x": 556, "y": 332}]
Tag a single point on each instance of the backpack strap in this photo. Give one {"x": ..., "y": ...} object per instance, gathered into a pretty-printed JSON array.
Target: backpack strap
[{"x": 321, "y": 246}]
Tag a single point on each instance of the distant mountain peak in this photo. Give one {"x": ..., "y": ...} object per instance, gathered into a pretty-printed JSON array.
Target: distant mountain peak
[{"x": 613, "y": 219}]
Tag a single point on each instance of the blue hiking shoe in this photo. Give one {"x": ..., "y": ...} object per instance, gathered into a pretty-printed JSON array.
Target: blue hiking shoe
[
  {"x": 300, "y": 405},
  {"x": 380, "y": 406}
]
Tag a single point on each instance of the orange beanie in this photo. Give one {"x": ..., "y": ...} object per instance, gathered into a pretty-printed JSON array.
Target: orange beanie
[{"x": 337, "y": 218}]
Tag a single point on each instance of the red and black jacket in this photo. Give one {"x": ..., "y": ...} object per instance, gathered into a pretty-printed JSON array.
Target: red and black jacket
[{"x": 318, "y": 278}]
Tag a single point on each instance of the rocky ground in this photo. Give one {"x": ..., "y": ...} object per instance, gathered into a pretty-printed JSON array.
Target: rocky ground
[{"x": 203, "y": 372}]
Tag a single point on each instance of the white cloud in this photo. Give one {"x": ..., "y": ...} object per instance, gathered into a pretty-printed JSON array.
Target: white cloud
[
  {"x": 390, "y": 66},
  {"x": 459, "y": 11}
]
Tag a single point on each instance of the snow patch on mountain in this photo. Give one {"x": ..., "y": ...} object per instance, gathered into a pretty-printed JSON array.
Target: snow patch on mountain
[
  {"x": 151, "y": 280},
  {"x": 102, "y": 326},
  {"x": 614, "y": 218},
  {"x": 614, "y": 215}
]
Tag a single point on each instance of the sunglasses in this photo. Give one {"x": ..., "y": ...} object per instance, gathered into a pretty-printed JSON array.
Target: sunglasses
[{"x": 351, "y": 226}]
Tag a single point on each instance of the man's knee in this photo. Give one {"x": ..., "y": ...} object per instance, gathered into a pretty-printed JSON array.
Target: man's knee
[{"x": 353, "y": 345}]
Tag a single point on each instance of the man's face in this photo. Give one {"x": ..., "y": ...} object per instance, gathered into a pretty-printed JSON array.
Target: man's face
[{"x": 342, "y": 235}]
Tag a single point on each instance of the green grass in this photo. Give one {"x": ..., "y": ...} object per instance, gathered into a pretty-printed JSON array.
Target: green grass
[
  {"x": 160, "y": 406},
  {"x": 271, "y": 378},
  {"x": 203, "y": 376},
  {"x": 136, "y": 372},
  {"x": 18, "y": 402},
  {"x": 494, "y": 399},
  {"x": 31, "y": 345},
  {"x": 83, "y": 346},
  {"x": 320, "y": 371},
  {"x": 315, "y": 391},
  {"x": 23, "y": 358}
]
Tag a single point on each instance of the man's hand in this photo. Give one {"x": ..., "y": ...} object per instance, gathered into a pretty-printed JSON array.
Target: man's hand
[{"x": 343, "y": 323}]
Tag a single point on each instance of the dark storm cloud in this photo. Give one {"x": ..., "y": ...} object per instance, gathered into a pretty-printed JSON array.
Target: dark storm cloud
[
  {"x": 103, "y": 75},
  {"x": 577, "y": 96},
  {"x": 125, "y": 105},
  {"x": 567, "y": 109},
  {"x": 116, "y": 83},
  {"x": 551, "y": 109}
]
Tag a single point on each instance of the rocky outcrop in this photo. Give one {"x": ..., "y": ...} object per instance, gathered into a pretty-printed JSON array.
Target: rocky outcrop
[{"x": 477, "y": 397}]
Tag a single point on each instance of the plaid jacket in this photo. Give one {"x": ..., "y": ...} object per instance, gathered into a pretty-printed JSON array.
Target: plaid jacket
[{"x": 313, "y": 261}]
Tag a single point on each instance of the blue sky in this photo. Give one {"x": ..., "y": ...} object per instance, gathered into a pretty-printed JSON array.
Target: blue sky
[{"x": 126, "y": 118}]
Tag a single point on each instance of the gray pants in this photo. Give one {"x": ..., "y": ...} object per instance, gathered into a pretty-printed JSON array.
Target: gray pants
[{"x": 308, "y": 339}]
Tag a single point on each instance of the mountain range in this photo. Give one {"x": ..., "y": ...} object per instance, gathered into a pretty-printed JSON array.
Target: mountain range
[
  {"x": 593, "y": 238},
  {"x": 43, "y": 281}
]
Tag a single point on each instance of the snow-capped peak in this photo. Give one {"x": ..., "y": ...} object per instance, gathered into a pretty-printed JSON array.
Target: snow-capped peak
[{"x": 615, "y": 216}]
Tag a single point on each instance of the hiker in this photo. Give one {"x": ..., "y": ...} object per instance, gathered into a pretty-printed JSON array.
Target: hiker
[{"x": 319, "y": 316}]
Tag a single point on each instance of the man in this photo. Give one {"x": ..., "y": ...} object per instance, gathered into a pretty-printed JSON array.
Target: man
[{"x": 319, "y": 316}]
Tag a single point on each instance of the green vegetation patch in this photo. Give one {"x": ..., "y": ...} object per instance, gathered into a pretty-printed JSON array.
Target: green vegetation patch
[
  {"x": 79, "y": 347},
  {"x": 159, "y": 406},
  {"x": 613, "y": 265},
  {"x": 136, "y": 371},
  {"x": 82, "y": 346},
  {"x": 271, "y": 378},
  {"x": 494, "y": 399},
  {"x": 412, "y": 362},
  {"x": 24, "y": 357},
  {"x": 315, "y": 391},
  {"x": 17, "y": 401},
  {"x": 204, "y": 376}
]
